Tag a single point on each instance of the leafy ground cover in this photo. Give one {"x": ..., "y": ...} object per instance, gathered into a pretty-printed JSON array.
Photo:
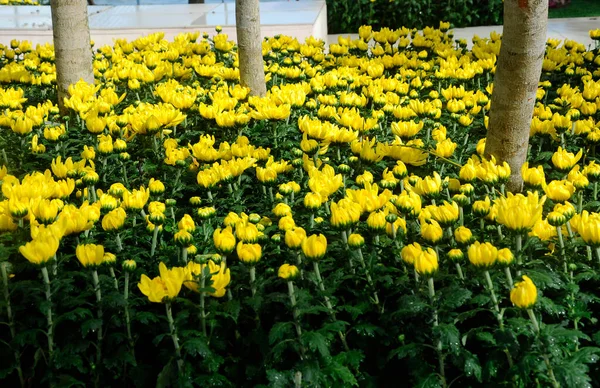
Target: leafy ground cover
[{"x": 343, "y": 230}]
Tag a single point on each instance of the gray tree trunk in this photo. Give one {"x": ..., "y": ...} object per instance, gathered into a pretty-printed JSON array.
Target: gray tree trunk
[
  {"x": 518, "y": 71},
  {"x": 74, "y": 60},
  {"x": 247, "y": 20}
]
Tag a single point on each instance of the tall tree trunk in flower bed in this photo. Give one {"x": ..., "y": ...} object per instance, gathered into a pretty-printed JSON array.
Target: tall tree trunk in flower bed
[
  {"x": 247, "y": 21},
  {"x": 71, "y": 45},
  {"x": 515, "y": 84}
]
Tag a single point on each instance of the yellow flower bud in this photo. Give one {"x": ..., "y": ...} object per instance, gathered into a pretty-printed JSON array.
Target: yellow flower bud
[
  {"x": 90, "y": 255},
  {"x": 288, "y": 272},
  {"x": 314, "y": 247},
  {"x": 294, "y": 237},
  {"x": 524, "y": 294},
  {"x": 410, "y": 252},
  {"x": 482, "y": 255},
  {"x": 224, "y": 240},
  {"x": 426, "y": 263},
  {"x": 249, "y": 253},
  {"x": 356, "y": 241}
]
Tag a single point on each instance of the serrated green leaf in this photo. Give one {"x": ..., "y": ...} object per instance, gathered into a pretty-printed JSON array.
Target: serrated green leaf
[
  {"x": 90, "y": 325},
  {"x": 315, "y": 341},
  {"x": 196, "y": 346},
  {"x": 279, "y": 331},
  {"x": 449, "y": 335},
  {"x": 453, "y": 297}
]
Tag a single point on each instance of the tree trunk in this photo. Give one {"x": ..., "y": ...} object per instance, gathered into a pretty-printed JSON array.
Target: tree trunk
[
  {"x": 515, "y": 84},
  {"x": 247, "y": 20},
  {"x": 71, "y": 45}
]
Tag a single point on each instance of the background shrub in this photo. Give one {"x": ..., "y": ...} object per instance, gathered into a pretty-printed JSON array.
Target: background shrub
[{"x": 346, "y": 16}]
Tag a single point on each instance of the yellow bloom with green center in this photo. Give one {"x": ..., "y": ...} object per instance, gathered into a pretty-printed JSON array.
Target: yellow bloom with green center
[
  {"x": 224, "y": 240},
  {"x": 564, "y": 160},
  {"x": 41, "y": 249},
  {"x": 166, "y": 286},
  {"x": 249, "y": 253},
  {"x": 559, "y": 191},
  {"x": 288, "y": 272},
  {"x": 426, "y": 263},
  {"x": 410, "y": 252},
  {"x": 519, "y": 213},
  {"x": 90, "y": 255},
  {"x": 482, "y": 255},
  {"x": 294, "y": 237},
  {"x": 220, "y": 277},
  {"x": 524, "y": 294},
  {"x": 315, "y": 246}
]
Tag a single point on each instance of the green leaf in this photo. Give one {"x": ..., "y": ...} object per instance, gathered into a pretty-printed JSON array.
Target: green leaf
[
  {"x": 453, "y": 297},
  {"x": 278, "y": 379},
  {"x": 279, "y": 331},
  {"x": 90, "y": 325},
  {"x": 449, "y": 335},
  {"x": 343, "y": 374},
  {"x": 315, "y": 341},
  {"x": 146, "y": 317},
  {"x": 472, "y": 366},
  {"x": 166, "y": 376},
  {"x": 196, "y": 346},
  {"x": 403, "y": 351},
  {"x": 545, "y": 278}
]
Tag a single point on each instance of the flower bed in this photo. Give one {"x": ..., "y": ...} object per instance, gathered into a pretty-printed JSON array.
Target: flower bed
[{"x": 342, "y": 230}]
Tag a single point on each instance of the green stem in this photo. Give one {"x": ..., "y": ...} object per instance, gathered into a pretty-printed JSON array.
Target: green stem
[
  {"x": 115, "y": 281},
  {"x": 460, "y": 271},
  {"x": 321, "y": 285},
  {"x": 98, "y": 292},
  {"x": 561, "y": 243},
  {"x": 292, "y": 296},
  {"x": 536, "y": 327},
  {"x": 368, "y": 274},
  {"x": 438, "y": 347},
  {"x": 202, "y": 303},
  {"x": 184, "y": 254},
  {"x": 50, "y": 328},
  {"x": 154, "y": 240},
  {"x": 518, "y": 247},
  {"x": 509, "y": 278},
  {"x": 253, "y": 280},
  {"x": 11, "y": 322},
  {"x": 498, "y": 313},
  {"x": 173, "y": 332},
  {"x": 127, "y": 318}
]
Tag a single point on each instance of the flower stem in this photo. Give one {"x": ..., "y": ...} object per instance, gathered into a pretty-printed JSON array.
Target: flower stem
[
  {"x": 202, "y": 303},
  {"x": 154, "y": 240},
  {"x": 498, "y": 313},
  {"x": 184, "y": 255},
  {"x": 321, "y": 285},
  {"x": 127, "y": 318},
  {"x": 115, "y": 281},
  {"x": 292, "y": 296},
  {"x": 368, "y": 274},
  {"x": 253, "y": 280},
  {"x": 536, "y": 327},
  {"x": 119, "y": 243},
  {"x": 562, "y": 248},
  {"x": 96, "y": 284},
  {"x": 518, "y": 247},
  {"x": 509, "y": 278},
  {"x": 50, "y": 329},
  {"x": 438, "y": 345},
  {"x": 173, "y": 332},
  {"x": 11, "y": 322},
  {"x": 345, "y": 238},
  {"x": 460, "y": 271}
]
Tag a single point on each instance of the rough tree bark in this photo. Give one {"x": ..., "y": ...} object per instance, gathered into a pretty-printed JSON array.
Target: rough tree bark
[
  {"x": 74, "y": 60},
  {"x": 515, "y": 84},
  {"x": 247, "y": 21}
]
